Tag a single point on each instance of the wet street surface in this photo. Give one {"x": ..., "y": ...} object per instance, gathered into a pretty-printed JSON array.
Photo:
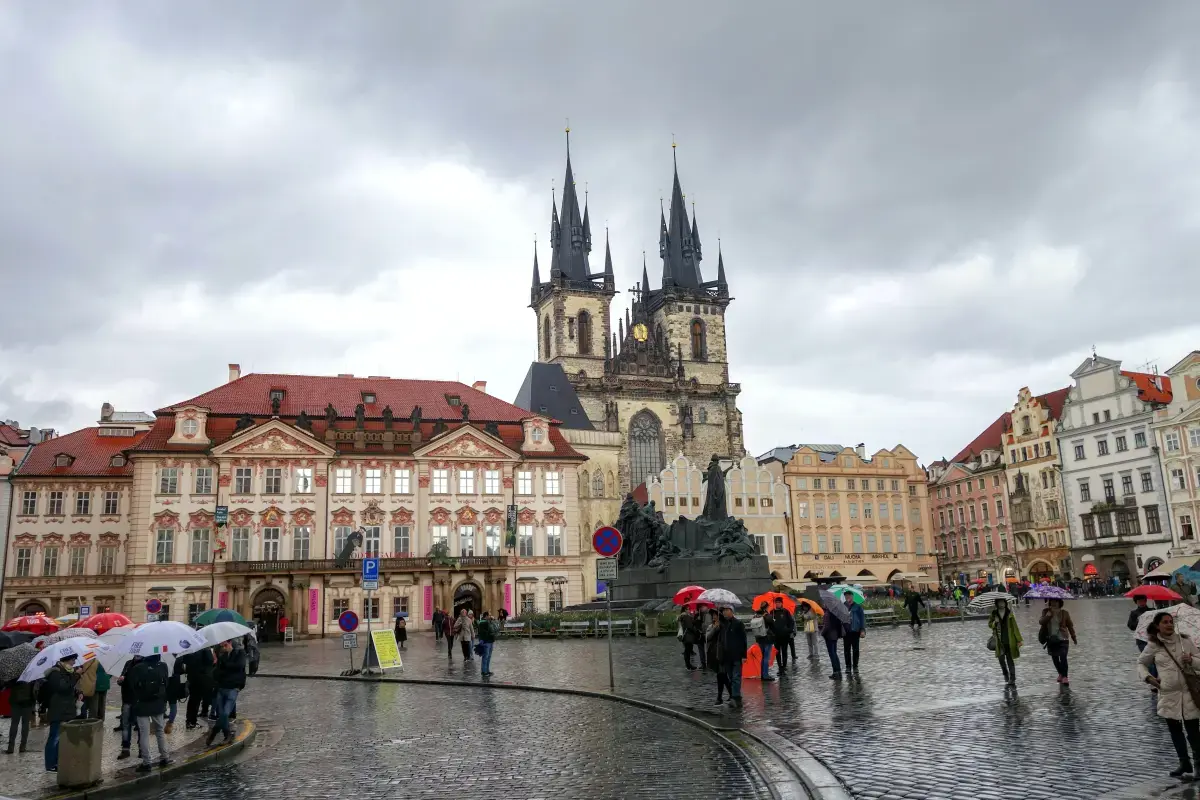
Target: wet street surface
[{"x": 930, "y": 717}]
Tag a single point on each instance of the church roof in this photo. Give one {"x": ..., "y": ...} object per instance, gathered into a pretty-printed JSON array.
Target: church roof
[{"x": 546, "y": 390}]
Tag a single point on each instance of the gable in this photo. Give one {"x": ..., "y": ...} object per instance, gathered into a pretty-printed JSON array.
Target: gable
[
  {"x": 274, "y": 438},
  {"x": 467, "y": 442}
]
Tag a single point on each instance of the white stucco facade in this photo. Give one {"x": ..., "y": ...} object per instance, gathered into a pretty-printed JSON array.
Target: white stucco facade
[{"x": 1177, "y": 431}]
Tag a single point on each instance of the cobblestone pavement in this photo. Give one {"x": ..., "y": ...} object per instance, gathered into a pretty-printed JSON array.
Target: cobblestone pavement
[
  {"x": 391, "y": 741},
  {"x": 24, "y": 774},
  {"x": 929, "y": 718}
]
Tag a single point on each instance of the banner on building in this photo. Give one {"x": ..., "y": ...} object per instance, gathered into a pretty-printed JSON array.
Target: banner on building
[
  {"x": 222, "y": 599},
  {"x": 508, "y": 598},
  {"x": 427, "y": 610},
  {"x": 314, "y": 606}
]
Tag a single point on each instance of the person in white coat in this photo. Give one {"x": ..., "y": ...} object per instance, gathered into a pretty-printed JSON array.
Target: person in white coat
[{"x": 1173, "y": 654}]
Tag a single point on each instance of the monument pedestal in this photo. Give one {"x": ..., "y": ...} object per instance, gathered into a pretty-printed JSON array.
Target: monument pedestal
[{"x": 746, "y": 578}]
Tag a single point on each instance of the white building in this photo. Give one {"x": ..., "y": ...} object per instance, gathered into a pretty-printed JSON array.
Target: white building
[
  {"x": 1177, "y": 431},
  {"x": 1112, "y": 479}
]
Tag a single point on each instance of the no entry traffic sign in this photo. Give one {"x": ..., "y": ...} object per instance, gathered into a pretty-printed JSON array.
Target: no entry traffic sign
[
  {"x": 607, "y": 541},
  {"x": 348, "y": 621}
]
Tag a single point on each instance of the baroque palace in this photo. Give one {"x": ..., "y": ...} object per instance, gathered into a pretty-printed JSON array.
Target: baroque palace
[{"x": 243, "y": 496}]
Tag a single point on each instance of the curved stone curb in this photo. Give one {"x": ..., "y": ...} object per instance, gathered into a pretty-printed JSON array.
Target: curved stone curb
[
  {"x": 780, "y": 788},
  {"x": 247, "y": 732}
]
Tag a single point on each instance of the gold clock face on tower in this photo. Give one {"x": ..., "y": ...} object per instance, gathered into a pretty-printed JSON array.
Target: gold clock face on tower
[{"x": 640, "y": 332}]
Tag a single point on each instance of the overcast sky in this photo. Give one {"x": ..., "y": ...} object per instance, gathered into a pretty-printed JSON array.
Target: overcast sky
[{"x": 923, "y": 206}]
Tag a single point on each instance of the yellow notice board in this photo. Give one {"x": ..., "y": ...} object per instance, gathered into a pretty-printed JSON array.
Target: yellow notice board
[{"x": 386, "y": 650}]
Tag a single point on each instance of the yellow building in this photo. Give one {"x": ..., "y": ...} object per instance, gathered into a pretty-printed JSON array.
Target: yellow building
[{"x": 859, "y": 518}]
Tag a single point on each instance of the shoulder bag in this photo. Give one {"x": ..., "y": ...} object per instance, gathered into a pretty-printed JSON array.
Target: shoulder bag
[{"x": 1191, "y": 679}]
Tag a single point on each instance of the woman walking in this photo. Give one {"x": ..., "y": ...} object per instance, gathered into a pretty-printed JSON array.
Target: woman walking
[
  {"x": 401, "y": 631},
  {"x": 712, "y": 632},
  {"x": 1007, "y": 638},
  {"x": 1174, "y": 656},
  {"x": 1056, "y": 628}
]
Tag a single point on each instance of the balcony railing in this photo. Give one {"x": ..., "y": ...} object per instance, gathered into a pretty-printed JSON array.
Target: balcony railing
[{"x": 354, "y": 566}]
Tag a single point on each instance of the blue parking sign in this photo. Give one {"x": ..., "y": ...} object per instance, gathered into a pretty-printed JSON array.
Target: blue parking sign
[{"x": 370, "y": 569}]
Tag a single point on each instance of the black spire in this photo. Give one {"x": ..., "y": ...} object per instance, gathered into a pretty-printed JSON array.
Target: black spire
[
  {"x": 696, "y": 234},
  {"x": 587, "y": 226},
  {"x": 610, "y": 280},
  {"x": 645, "y": 275},
  {"x": 537, "y": 275},
  {"x": 681, "y": 259},
  {"x": 572, "y": 242},
  {"x": 722, "y": 284}
]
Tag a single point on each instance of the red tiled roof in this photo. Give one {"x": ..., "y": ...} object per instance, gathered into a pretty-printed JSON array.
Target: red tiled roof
[
  {"x": 1055, "y": 401},
  {"x": 221, "y": 429},
  {"x": 11, "y": 436},
  {"x": 93, "y": 455},
  {"x": 992, "y": 438},
  {"x": 251, "y": 394},
  {"x": 1148, "y": 391}
]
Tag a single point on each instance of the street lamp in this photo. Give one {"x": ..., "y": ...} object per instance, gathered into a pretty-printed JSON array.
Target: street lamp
[{"x": 938, "y": 555}]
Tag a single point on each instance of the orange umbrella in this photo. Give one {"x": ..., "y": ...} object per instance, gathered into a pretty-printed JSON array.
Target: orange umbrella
[
  {"x": 816, "y": 607},
  {"x": 770, "y": 597}
]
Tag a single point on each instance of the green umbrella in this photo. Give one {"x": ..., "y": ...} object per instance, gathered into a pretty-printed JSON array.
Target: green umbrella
[
  {"x": 219, "y": 615},
  {"x": 839, "y": 591}
]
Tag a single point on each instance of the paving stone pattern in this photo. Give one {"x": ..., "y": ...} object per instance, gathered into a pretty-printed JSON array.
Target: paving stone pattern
[
  {"x": 391, "y": 741},
  {"x": 930, "y": 717}
]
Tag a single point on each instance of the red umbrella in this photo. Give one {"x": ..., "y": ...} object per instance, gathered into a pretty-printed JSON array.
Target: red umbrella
[
  {"x": 687, "y": 595},
  {"x": 1154, "y": 592},
  {"x": 39, "y": 624},
  {"x": 103, "y": 623}
]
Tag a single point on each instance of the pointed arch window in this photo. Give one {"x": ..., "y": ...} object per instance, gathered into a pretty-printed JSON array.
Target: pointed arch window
[
  {"x": 660, "y": 338},
  {"x": 699, "y": 341},
  {"x": 584, "y": 483},
  {"x": 585, "y": 333},
  {"x": 598, "y": 485},
  {"x": 645, "y": 446},
  {"x": 546, "y": 337}
]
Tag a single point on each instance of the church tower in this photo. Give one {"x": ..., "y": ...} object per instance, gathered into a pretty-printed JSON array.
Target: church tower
[{"x": 572, "y": 307}]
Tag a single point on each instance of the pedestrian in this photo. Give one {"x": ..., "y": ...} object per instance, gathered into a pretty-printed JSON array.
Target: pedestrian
[
  {"x": 401, "y": 631},
  {"x": 127, "y": 724},
  {"x": 1007, "y": 638},
  {"x": 229, "y": 678},
  {"x": 711, "y": 654},
  {"x": 687, "y": 635},
  {"x": 914, "y": 601},
  {"x": 808, "y": 622},
  {"x": 464, "y": 628},
  {"x": 502, "y": 615},
  {"x": 785, "y": 631},
  {"x": 1185, "y": 588},
  {"x": 448, "y": 635},
  {"x": 1173, "y": 655},
  {"x": 252, "y": 654},
  {"x": 62, "y": 687},
  {"x": 1056, "y": 633},
  {"x": 763, "y": 631},
  {"x": 284, "y": 624},
  {"x": 732, "y": 645},
  {"x": 87, "y": 687},
  {"x": 1141, "y": 606},
  {"x": 100, "y": 697},
  {"x": 832, "y": 629},
  {"x": 200, "y": 673},
  {"x": 21, "y": 699},
  {"x": 488, "y": 631},
  {"x": 149, "y": 678},
  {"x": 438, "y": 618},
  {"x": 177, "y": 689},
  {"x": 853, "y": 635}
]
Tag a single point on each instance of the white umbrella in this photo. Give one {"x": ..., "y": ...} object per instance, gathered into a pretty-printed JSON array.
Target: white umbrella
[
  {"x": 1187, "y": 621},
  {"x": 167, "y": 639},
  {"x": 114, "y": 635},
  {"x": 719, "y": 597},
  {"x": 987, "y": 598},
  {"x": 83, "y": 649},
  {"x": 224, "y": 631}
]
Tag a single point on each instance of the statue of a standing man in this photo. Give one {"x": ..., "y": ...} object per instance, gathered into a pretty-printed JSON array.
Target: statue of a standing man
[{"x": 715, "y": 508}]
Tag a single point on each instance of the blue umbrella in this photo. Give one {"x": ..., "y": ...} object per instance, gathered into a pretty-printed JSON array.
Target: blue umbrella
[{"x": 1045, "y": 591}]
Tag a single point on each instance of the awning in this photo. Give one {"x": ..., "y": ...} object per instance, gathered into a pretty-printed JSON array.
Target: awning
[
  {"x": 1172, "y": 564},
  {"x": 863, "y": 579},
  {"x": 912, "y": 576}
]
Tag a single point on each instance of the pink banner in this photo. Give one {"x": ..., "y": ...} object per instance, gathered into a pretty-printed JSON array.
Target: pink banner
[
  {"x": 427, "y": 610},
  {"x": 314, "y": 606},
  {"x": 508, "y": 598},
  {"x": 222, "y": 599}
]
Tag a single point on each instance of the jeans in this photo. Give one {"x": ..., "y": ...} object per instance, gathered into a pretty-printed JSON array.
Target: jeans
[
  {"x": 225, "y": 701},
  {"x": 1177, "y": 728},
  {"x": 1058, "y": 654},
  {"x": 52, "y": 746},
  {"x": 450, "y": 646},
  {"x": 831, "y": 646},
  {"x": 850, "y": 646},
  {"x": 198, "y": 690},
  {"x": 688, "y": 647},
  {"x": 144, "y": 725},
  {"x": 172, "y": 710},
  {"x": 733, "y": 678},
  {"x": 1007, "y": 665},
  {"x": 466, "y": 648},
  {"x": 765, "y": 646},
  {"x": 437, "y": 632},
  {"x": 22, "y": 716},
  {"x": 127, "y": 725},
  {"x": 486, "y": 665},
  {"x": 914, "y": 617}
]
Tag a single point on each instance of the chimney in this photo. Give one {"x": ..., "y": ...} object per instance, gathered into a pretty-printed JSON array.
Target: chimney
[
  {"x": 345, "y": 375},
  {"x": 480, "y": 386},
  {"x": 235, "y": 371},
  {"x": 106, "y": 412},
  {"x": 861, "y": 449}
]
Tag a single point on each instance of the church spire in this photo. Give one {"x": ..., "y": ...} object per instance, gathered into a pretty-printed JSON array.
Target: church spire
[
  {"x": 722, "y": 284},
  {"x": 696, "y": 234},
  {"x": 610, "y": 280},
  {"x": 537, "y": 275},
  {"x": 681, "y": 262},
  {"x": 570, "y": 237}
]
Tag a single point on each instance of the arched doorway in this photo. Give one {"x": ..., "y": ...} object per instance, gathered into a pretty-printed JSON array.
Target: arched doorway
[
  {"x": 269, "y": 606},
  {"x": 31, "y": 609},
  {"x": 1119, "y": 570},
  {"x": 1040, "y": 570},
  {"x": 469, "y": 596}
]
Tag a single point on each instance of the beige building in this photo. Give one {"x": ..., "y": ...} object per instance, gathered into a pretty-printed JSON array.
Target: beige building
[
  {"x": 863, "y": 519},
  {"x": 243, "y": 497},
  {"x": 1035, "y": 496},
  {"x": 755, "y": 495},
  {"x": 1177, "y": 431}
]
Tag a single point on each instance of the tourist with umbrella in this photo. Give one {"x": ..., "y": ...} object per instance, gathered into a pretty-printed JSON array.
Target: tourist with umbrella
[
  {"x": 834, "y": 623},
  {"x": 1057, "y": 632},
  {"x": 23, "y": 695},
  {"x": 806, "y": 619},
  {"x": 1006, "y": 638}
]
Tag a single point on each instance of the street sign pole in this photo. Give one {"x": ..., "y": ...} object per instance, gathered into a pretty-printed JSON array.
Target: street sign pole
[
  {"x": 370, "y": 573},
  {"x": 612, "y": 683},
  {"x": 607, "y": 542}
]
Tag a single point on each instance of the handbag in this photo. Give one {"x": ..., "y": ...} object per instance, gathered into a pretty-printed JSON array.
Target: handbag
[
  {"x": 810, "y": 626},
  {"x": 991, "y": 643}
]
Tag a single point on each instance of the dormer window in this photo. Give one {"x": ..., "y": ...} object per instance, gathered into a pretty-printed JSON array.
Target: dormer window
[
  {"x": 63, "y": 460},
  {"x": 277, "y": 395},
  {"x": 537, "y": 434},
  {"x": 368, "y": 398},
  {"x": 189, "y": 427},
  {"x": 117, "y": 461},
  {"x": 454, "y": 400}
]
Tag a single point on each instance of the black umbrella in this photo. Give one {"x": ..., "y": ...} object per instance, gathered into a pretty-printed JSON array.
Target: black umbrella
[{"x": 13, "y": 638}]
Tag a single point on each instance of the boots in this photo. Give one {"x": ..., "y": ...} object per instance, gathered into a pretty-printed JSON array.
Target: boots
[
  {"x": 170, "y": 726},
  {"x": 1185, "y": 768}
]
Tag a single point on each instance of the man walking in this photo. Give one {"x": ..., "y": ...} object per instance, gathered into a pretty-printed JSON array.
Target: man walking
[
  {"x": 855, "y": 631},
  {"x": 149, "y": 682},
  {"x": 487, "y": 631},
  {"x": 764, "y": 636},
  {"x": 732, "y": 647},
  {"x": 785, "y": 630},
  {"x": 199, "y": 668},
  {"x": 913, "y": 601},
  {"x": 438, "y": 618},
  {"x": 229, "y": 678},
  {"x": 687, "y": 634}
]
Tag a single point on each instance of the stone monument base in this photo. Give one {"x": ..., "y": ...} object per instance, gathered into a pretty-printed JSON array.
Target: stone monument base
[{"x": 746, "y": 578}]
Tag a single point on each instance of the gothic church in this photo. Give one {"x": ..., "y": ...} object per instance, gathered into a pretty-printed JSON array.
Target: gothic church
[{"x": 660, "y": 377}]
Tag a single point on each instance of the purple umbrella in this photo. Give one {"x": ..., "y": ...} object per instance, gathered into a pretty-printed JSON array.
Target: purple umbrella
[{"x": 1045, "y": 591}]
